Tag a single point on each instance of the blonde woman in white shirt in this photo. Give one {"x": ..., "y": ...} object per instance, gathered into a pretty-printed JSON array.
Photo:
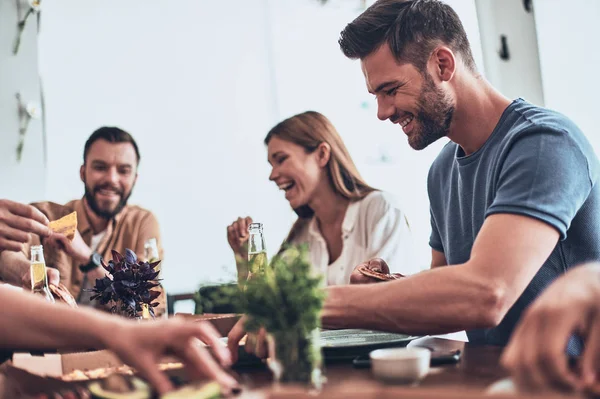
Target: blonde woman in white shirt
[{"x": 343, "y": 220}]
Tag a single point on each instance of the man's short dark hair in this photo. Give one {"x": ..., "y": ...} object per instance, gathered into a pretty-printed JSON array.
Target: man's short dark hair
[
  {"x": 112, "y": 135},
  {"x": 412, "y": 29}
]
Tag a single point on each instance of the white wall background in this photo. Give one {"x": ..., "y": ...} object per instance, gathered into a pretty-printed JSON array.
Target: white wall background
[
  {"x": 568, "y": 37},
  {"x": 199, "y": 83},
  {"x": 520, "y": 75},
  {"x": 22, "y": 180}
]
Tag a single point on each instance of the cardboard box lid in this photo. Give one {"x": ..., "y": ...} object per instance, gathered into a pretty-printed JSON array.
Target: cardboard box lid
[
  {"x": 223, "y": 323},
  {"x": 57, "y": 365},
  {"x": 34, "y": 374}
]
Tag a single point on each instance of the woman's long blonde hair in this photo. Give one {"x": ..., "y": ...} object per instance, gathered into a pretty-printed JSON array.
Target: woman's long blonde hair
[{"x": 308, "y": 130}]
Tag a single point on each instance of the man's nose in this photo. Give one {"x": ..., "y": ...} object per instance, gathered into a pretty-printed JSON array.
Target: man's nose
[{"x": 384, "y": 109}]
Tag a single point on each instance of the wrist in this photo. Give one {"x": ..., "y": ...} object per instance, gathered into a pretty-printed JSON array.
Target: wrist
[
  {"x": 108, "y": 329},
  {"x": 85, "y": 257},
  {"x": 91, "y": 263}
]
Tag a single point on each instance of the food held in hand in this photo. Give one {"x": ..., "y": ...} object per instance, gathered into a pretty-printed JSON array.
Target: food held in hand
[
  {"x": 61, "y": 293},
  {"x": 380, "y": 276},
  {"x": 67, "y": 225}
]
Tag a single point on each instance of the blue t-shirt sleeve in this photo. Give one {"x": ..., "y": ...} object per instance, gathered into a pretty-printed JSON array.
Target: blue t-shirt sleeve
[{"x": 546, "y": 175}]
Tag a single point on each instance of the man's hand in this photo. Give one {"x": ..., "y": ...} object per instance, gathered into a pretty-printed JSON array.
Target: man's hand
[
  {"x": 143, "y": 345},
  {"x": 76, "y": 249},
  {"x": 16, "y": 221},
  {"x": 377, "y": 265},
  {"x": 256, "y": 344},
  {"x": 536, "y": 355},
  {"x": 52, "y": 274}
]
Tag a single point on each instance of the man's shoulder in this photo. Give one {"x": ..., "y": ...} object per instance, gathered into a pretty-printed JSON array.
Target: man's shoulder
[
  {"x": 136, "y": 214},
  {"x": 53, "y": 210},
  {"x": 535, "y": 120}
]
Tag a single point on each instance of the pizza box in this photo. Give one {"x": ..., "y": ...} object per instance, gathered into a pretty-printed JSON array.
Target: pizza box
[
  {"x": 223, "y": 322},
  {"x": 31, "y": 374}
]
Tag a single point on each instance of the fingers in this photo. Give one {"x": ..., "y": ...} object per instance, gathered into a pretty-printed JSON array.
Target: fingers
[
  {"x": 57, "y": 240},
  {"x": 261, "y": 349},
  {"x": 201, "y": 365},
  {"x": 24, "y": 217},
  {"x": 242, "y": 226},
  {"x": 27, "y": 211},
  {"x": 231, "y": 237},
  {"x": 8, "y": 245},
  {"x": 590, "y": 366},
  {"x": 13, "y": 234},
  {"x": 234, "y": 337},
  {"x": 53, "y": 276},
  {"x": 237, "y": 232},
  {"x": 378, "y": 265},
  {"x": 358, "y": 278},
  {"x": 209, "y": 335},
  {"x": 26, "y": 280},
  {"x": 536, "y": 353},
  {"x": 145, "y": 365}
]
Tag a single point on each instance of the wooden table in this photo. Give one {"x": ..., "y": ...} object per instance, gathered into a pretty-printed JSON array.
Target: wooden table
[{"x": 470, "y": 378}]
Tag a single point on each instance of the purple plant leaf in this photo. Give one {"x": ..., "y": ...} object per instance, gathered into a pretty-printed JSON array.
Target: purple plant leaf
[
  {"x": 154, "y": 264},
  {"x": 153, "y": 295},
  {"x": 152, "y": 276},
  {"x": 130, "y": 256},
  {"x": 117, "y": 257},
  {"x": 149, "y": 285}
]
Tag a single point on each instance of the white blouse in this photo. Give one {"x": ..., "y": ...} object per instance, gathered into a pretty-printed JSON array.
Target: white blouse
[{"x": 373, "y": 227}]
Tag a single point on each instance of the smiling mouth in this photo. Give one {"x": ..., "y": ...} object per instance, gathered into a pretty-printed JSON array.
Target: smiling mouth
[
  {"x": 107, "y": 192},
  {"x": 406, "y": 120},
  {"x": 286, "y": 186}
]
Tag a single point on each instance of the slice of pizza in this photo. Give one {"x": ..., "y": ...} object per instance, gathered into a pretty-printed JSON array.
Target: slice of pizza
[
  {"x": 66, "y": 225},
  {"x": 364, "y": 270},
  {"x": 61, "y": 293}
]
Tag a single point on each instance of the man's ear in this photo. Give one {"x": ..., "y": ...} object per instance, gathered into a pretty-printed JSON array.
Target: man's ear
[
  {"x": 443, "y": 63},
  {"x": 323, "y": 154},
  {"x": 82, "y": 173}
]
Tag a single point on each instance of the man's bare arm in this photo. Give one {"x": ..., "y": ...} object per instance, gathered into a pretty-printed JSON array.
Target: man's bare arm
[
  {"x": 438, "y": 259},
  {"x": 508, "y": 252}
]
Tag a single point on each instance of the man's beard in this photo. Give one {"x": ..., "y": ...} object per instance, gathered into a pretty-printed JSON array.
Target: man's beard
[
  {"x": 104, "y": 214},
  {"x": 434, "y": 116}
]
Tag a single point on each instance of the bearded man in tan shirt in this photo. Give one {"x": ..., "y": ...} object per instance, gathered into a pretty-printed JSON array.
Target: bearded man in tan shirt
[{"x": 104, "y": 220}]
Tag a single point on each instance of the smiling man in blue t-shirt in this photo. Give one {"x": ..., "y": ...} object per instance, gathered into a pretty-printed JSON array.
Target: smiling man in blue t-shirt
[
  {"x": 514, "y": 195},
  {"x": 515, "y": 199}
]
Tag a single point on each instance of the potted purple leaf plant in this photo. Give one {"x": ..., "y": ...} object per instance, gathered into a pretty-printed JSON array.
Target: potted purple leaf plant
[{"x": 128, "y": 286}]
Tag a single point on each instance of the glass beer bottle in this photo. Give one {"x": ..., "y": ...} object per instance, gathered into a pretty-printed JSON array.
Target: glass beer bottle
[
  {"x": 257, "y": 250},
  {"x": 151, "y": 255},
  {"x": 37, "y": 270}
]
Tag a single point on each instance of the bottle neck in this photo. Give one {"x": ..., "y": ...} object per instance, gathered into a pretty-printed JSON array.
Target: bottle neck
[
  {"x": 37, "y": 254},
  {"x": 151, "y": 250},
  {"x": 256, "y": 243}
]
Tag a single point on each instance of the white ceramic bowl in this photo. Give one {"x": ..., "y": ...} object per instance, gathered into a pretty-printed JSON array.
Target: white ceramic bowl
[{"x": 400, "y": 365}]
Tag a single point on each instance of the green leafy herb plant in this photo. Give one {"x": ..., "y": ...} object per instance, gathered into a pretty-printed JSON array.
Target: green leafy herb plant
[{"x": 286, "y": 300}]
